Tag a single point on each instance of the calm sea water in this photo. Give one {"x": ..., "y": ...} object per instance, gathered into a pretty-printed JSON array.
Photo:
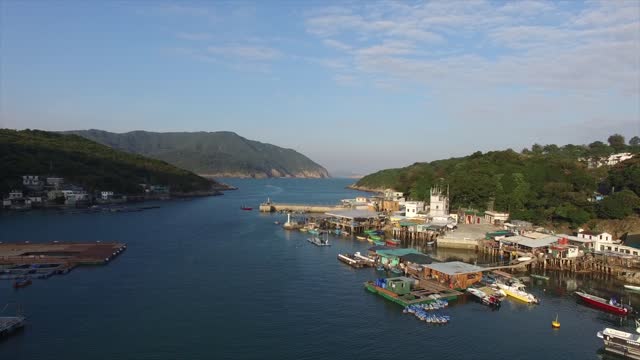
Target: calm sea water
[{"x": 202, "y": 279}]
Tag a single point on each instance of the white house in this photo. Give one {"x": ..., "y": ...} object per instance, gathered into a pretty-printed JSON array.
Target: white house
[
  {"x": 30, "y": 180},
  {"x": 35, "y": 199},
  {"x": 602, "y": 237},
  {"x": 15, "y": 194},
  {"x": 439, "y": 202},
  {"x": 55, "y": 182},
  {"x": 494, "y": 217},
  {"x": 106, "y": 195},
  {"x": 616, "y": 158},
  {"x": 390, "y": 194},
  {"x": 75, "y": 195},
  {"x": 412, "y": 208}
]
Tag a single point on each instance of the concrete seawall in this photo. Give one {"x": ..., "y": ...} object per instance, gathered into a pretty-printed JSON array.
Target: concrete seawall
[
  {"x": 299, "y": 208},
  {"x": 453, "y": 243}
]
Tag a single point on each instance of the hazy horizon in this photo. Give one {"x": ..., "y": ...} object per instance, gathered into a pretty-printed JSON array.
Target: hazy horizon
[{"x": 356, "y": 87}]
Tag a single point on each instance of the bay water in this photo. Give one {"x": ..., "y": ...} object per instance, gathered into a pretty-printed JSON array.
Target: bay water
[{"x": 202, "y": 279}]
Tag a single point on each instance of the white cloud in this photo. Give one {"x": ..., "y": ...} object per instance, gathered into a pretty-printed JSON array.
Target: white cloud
[
  {"x": 246, "y": 52},
  {"x": 336, "y": 44},
  {"x": 530, "y": 45},
  {"x": 193, "y": 36}
]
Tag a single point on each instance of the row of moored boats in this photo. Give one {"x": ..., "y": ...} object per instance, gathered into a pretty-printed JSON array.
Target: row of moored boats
[{"x": 422, "y": 312}]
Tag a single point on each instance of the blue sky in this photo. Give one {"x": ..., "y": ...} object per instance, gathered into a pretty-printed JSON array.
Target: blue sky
[{"x": 356, "y": 86}]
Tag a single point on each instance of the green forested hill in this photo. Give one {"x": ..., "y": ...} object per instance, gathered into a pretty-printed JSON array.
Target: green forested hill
[
  {"x": 217, "y": 154},
  {"x": 543, "y": 184},
  {"x": 87, "y": 163}
]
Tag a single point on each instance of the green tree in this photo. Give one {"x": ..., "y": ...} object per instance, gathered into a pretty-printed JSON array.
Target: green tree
[
  {"x": 619, "y": 205},
  {"x": 616, "y": 141},
  {"x": 634, "y": 141},
  {"x": 536, "y": 149}
]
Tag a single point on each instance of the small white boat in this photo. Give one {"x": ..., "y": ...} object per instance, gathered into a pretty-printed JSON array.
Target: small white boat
[
  {"x": 632, "y": 287},
  {"x": 524, "y": 258}
]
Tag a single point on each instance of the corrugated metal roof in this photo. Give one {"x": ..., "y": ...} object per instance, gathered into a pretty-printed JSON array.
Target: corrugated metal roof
[
  {"x": 454, "y": 268},
  {"x": 398, "y": 252},
  {"x": 532, "y": 243}
]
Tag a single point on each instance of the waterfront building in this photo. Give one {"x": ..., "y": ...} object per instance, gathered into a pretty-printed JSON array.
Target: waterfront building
[
  {"x": 32, "y": 182},
  {"x": 439, "y": 202},
  {"x": 456, "y": 274},
  {"x": 55, "y": 182},
  {"x": 470, "y": 216},
  {"x": 413, "y": 208},
  {"x": 390, "y": 194},
  {"x": 400, "y": 285},
  {"x": 494, "y": 217},
  {"x": 584, "y": 243},
  {"x": 15, "y": 194},
  {"x": 106, "y": 195}
]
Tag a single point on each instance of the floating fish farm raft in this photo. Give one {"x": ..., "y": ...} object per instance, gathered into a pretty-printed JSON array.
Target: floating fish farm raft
[
  {"x": 46, "y": 259},
  {"x": 407, "y": 291}
]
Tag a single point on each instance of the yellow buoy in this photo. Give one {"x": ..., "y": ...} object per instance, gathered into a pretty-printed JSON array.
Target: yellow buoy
[{"x": 555, "y": 323}]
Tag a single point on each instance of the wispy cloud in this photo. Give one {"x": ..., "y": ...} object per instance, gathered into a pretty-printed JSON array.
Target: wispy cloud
[
  {"x": 193, "y": 36},
  {"x": 246, "y": 52},
  {"x": 527, "y": 44}
]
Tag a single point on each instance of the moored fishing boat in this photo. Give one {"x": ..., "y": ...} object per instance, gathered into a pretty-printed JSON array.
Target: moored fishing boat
[
  {"x": 621, "y": 343},
  {"x": 393, "y": 242},
  {"x": 350, "y": 260},
  {"x": 611, "y": 306},
  {"x": 365, "y": 258},
  {"x": 20, "y": 283},
  {"x": 361, "y": 237},
  {"x": 379, "y": 242}
]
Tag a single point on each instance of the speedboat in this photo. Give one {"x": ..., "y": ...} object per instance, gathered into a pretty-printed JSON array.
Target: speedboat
[
  {"x": 516, "y": 291},
  {"x": 611, "y": 306},
  {"x": 632, "y": 287}
]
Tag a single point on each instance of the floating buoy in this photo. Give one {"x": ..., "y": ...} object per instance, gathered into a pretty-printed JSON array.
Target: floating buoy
[{"x": 555, "y": 323}]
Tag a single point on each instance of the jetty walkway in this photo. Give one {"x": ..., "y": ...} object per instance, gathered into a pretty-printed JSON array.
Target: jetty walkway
[{"x": 274, "y": 207}]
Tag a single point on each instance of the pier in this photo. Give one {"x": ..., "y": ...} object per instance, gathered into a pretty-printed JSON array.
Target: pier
[{"x": 276, "y": 207}]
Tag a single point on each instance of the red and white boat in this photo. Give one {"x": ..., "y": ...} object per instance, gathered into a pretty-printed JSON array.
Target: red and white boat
[
  {"x": 246, "y": 208},
  {"x": 603, "y": 304}
]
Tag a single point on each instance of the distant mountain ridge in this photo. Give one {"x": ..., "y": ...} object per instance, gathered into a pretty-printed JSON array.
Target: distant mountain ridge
[
  {"x": 212, "y": 154},
  {"x": 89, "y": 164}
]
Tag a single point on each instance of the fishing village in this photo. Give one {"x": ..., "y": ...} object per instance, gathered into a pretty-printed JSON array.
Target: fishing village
[{"x": 403, "y": 233}]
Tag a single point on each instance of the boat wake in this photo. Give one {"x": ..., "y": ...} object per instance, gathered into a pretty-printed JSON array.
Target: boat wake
[{"x": 273, "y": 190}]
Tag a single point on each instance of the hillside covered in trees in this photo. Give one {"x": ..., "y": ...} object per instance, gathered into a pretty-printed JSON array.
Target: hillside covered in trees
[
  {"x": 212, "y": 154},
  {"x": 87, "y": 163},
  {"x": 542, "y": 184}
]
